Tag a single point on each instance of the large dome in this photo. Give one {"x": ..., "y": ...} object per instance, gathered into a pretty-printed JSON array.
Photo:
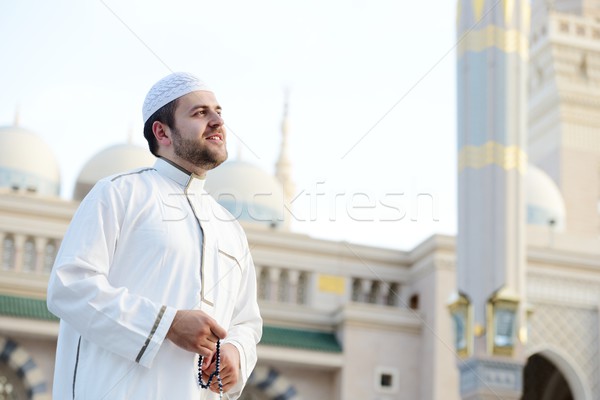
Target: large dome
[
  {"x": 247, "y": 192},
  {"x": 110, "y": 161},
  {"x": 545, "y": 204},
  {"x": 27, "y": 163}
]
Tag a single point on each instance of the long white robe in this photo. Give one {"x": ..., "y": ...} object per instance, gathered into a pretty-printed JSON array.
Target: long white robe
[{"x": 141, "y": 246}]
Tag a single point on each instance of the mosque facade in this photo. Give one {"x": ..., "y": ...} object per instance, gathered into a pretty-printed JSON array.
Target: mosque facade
[{"x": 510, "y": 308}]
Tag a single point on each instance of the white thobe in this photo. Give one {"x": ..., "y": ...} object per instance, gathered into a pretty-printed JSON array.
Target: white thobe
[{"x": 141, "y": 246}]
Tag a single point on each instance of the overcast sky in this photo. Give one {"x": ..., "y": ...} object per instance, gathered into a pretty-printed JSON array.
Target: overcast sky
[{"x": 372, "y": 95}]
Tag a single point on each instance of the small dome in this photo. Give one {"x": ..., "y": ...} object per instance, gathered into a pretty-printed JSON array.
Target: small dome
[
  {"x": 110, "y": 161},
  {"x": 247, "y": 192},
  {"x": 27, "y": 163},
  {"x": 545, "y": 204}
]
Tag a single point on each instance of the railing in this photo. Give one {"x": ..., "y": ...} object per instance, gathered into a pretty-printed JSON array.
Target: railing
[
  {"x": 36, "y": 254},
  {"x": 375, "y": 292},
  {"x": 571, "y": 25},
  {"x": 25, "y": 253},
  {"x": 282, "y": 285}
]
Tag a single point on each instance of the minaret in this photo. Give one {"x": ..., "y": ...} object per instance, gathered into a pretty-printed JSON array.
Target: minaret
[
  {"x": 564, "y": 106},
  {"x": 283, "y": 167},
  {"x": 492, "y": 119}
]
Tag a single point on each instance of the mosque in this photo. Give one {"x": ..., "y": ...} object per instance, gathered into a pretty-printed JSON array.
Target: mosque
[{"x": 508, "y": 309}]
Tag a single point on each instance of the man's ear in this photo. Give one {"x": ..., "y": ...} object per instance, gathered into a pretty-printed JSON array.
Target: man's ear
[{"x": 162, "y": 133}]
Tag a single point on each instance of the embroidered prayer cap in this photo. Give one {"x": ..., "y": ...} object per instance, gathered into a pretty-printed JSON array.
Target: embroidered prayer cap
[{"x": 169, "y": 88}]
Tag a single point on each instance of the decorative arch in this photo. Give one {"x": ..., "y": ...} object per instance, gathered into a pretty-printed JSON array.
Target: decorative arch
[
  {"x": 23, "y": 365},
  {"x": 569, "y": 368},
  {"x": 272, "y": 385}
]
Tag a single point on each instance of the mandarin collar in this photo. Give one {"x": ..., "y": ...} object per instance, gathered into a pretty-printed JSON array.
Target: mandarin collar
[{"x": 186, "y": 179}]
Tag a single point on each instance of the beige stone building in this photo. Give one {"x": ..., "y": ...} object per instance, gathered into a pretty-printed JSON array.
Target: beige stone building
[{"x": 346, "y": 321}]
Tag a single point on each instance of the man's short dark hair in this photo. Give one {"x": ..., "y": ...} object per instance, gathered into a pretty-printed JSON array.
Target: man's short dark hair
[{"x": 166, "y": 115}]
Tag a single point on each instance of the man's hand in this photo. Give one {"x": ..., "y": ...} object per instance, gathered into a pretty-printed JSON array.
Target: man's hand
[
  {"x": 229, "y": 367},
  {"x": 197, "y": 332}
]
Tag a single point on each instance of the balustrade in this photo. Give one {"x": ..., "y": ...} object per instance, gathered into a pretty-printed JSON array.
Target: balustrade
[
  {"x": 291, "y": 286},
  {"x": 375, "y": 291},
  {"x": 24, "y": 253},
  {"x": 282, "y": 285}
]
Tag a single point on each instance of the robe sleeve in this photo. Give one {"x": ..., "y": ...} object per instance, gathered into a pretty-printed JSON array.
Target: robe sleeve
[
  {"x": 245, "y": 330},
  {"x": 80, "y": 293}
]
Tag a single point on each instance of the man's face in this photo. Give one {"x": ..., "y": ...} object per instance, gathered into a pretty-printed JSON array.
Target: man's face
[{"x": 199, "y": 132}]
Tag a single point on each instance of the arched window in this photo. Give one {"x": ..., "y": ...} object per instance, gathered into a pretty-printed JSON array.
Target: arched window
[
  {"x": 8, "y": 252},
  {"x": 49, "y": 255},
  {"x": 543, "y": 380},
  {"x": 29, "y": 255}
]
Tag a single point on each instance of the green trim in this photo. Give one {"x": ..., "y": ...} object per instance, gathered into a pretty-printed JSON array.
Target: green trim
[
  {"x": 24, "y": 307},
  {"x": 300, "y": 339}
]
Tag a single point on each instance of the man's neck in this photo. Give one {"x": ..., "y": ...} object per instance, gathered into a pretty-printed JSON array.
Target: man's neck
[{"x": 199, "y": 172}]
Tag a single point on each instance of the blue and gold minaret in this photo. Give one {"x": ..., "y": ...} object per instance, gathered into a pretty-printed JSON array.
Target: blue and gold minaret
[{"x": 492, "y": 121}]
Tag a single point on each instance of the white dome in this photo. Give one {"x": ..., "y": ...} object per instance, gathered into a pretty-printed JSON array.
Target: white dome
[
  {"x": 247, "y": 192},
  {"x": 545, "y": 204},
  {"x": 27, "y": 162},
  {"x": 110, "y": 161}
]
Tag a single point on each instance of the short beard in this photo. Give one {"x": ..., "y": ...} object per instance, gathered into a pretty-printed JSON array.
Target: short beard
[{"x": 193, "y": 152}]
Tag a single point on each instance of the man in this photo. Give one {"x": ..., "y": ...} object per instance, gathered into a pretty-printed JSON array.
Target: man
[{"x": 152, "y": 272}]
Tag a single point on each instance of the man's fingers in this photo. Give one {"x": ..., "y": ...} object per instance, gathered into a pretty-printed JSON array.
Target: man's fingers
[
  {"x": 194, "y": 330},
  {"x": 208, "y": 364},
  {"x": 218, "y": 331},
  {"x": 214, "y": 386},
  {"x": 227, "y": 371},
  {"x": 208, "y": 344}
]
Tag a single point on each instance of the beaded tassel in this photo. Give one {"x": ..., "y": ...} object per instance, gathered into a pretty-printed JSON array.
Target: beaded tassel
[{"x": 216, "y": 373}]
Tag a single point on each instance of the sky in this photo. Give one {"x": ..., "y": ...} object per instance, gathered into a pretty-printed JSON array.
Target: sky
[{"x": 371, "y": 96}]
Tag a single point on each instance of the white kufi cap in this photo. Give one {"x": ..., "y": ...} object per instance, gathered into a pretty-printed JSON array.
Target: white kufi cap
[{"x": 169, "y": 88}]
